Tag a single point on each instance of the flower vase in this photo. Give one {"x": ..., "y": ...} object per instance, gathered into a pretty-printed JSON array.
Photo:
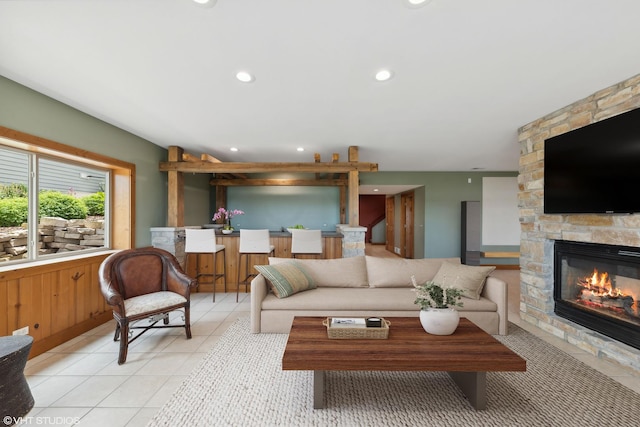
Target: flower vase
[{"x": 439, "y": 321}]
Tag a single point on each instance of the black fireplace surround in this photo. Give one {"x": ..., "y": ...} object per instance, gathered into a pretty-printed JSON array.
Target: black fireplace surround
[{"x": 598, "y": 287}]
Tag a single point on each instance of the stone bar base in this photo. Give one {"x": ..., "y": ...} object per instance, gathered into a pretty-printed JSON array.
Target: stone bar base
[
  {"x": 353, "y": 240},
  {"x": 171, "y": 239}
]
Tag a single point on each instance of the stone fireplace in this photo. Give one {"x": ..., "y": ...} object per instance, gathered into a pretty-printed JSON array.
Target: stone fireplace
[
  {"x": 598, "y": 286},
  {"x": 541, "y": 232}
]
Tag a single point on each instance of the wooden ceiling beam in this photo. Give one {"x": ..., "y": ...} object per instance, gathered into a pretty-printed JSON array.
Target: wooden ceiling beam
[
  {"x": 279, "y": 182},
  {"x": 241, "y": 167},
  {"x": 209, "y": 158},
  {"x": 186, "y": 157}
]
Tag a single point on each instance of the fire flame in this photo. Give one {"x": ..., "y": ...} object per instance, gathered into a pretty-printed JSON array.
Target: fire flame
[{"x": 599, "y": 285}]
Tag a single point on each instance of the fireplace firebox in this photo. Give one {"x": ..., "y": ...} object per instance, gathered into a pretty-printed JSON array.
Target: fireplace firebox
[{"x": 598, "y": 287}]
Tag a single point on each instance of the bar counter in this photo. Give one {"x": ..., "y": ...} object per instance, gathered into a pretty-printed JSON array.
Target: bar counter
[{"x": 332, "y": 248}]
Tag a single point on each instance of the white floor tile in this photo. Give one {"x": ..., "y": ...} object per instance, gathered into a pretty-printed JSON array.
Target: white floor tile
[
  {"x": 142, "y": 418},
  {"x": 53, "y": 365},
  {"x": 90, "y": 392},
  {"x": 56, "y": 416},
  {"x": 135, "y": 392},
  {"x": 108, "y": 417},
  {"x": 91, "y": 364},
  {"x": 55, "y": 388},
  {"x": 165, "y": 392},
  {"x": 163, "y": 364}
]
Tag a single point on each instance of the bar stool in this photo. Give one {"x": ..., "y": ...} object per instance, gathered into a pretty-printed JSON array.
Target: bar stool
[
  {"x": 252, "y": 242},
  {"x": 306, "y": 242},
  {"x": 203, "y": 241}
]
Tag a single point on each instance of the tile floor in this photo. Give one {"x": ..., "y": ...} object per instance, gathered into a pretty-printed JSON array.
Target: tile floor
[{"x": 81, "y": 380}]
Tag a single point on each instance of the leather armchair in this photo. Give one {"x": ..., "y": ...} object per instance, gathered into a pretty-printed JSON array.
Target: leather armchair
[{"x": 144, "y": 283}]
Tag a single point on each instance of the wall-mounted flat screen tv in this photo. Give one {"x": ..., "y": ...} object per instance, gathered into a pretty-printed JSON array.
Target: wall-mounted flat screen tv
[{"x": 594, "y": 169}]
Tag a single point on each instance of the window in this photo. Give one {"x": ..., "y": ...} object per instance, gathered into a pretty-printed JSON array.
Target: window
[{"x": 57, "y": 201}]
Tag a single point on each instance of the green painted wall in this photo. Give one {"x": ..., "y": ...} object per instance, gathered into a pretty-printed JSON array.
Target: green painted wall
[
  {"x": 276, "y": 207},
  {"x": 437, "y": 206},
  {"x": 31, "y": 112}
]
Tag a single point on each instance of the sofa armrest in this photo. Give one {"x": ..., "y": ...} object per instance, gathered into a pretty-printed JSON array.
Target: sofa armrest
[
  {"x": 496, "y": 290},
  {"x": 258, "y": 293}
]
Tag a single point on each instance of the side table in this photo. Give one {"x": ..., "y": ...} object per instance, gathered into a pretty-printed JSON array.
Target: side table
[{"x": 16, "y": 399}]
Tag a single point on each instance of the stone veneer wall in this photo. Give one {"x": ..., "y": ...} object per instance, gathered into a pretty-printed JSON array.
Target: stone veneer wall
[{"x": 539, "y": 231}]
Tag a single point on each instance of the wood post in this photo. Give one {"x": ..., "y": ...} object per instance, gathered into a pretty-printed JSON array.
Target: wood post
[
  {"x": 175, "y": 181},
  {"x": 354, "y": 202}
]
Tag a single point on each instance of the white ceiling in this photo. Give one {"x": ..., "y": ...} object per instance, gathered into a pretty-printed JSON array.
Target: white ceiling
[{"x": 467, "y": 73}]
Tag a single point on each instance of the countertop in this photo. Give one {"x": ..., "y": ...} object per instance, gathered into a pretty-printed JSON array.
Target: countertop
[{"x": 274, "y": 233}]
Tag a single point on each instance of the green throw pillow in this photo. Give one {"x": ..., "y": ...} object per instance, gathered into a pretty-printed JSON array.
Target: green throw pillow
[
  {"x": 470, "y": 279},
  {"x": 286, "y": 278}
]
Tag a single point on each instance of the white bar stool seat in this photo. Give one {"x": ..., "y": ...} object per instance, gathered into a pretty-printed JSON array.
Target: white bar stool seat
[
  {"x": 203, "y": 241},
  {"x": 306, "y": 242},
  {"x": 252, "y": 242}
]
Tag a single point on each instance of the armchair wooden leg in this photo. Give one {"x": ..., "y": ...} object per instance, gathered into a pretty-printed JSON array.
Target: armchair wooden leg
[
  {"x": 124, "y": 342},
  {"x": 117, "y": 333},
  {"x": 187, "y": 322}
]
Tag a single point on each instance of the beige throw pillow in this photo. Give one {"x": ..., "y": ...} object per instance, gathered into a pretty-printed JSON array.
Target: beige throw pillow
[{"x": 469, "y": 278}]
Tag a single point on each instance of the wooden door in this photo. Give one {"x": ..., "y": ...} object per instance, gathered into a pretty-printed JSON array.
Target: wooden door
[
  {"x": 407, "y": 224},
  {"x": 390, "y": 215}
]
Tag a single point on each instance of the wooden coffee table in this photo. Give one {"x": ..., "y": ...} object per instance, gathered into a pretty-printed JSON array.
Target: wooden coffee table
[{"x": 467, "y": 355}]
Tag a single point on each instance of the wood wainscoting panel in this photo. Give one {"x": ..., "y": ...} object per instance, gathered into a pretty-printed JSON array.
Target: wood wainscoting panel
[{"x": 57, "y": 301}]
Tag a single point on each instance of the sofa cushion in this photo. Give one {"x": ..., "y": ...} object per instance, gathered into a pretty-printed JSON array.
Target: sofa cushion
[
  {"x": 397, "y": 272},
  {"x": 358, "y": 299},
  {"x": 335, "y": 273},
  {"x": 287, "y": 278},
  {"x": 469, "y": 278}
]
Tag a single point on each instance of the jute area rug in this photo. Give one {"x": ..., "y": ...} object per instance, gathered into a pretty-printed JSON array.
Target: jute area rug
[{"x": 241, "y": 383}]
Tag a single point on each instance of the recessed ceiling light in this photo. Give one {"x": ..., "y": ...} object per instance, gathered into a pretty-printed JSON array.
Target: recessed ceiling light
[
  {"x": 417, "y": 3},
  {"x": 383, "y": 75},
  {"x": 376, "y": 190},
  {"x": 205, "y": 3},
  {"x": 300, "y": 149},
  {"x": 244, "y": 77},
  {"x": 233, "y": 149}
]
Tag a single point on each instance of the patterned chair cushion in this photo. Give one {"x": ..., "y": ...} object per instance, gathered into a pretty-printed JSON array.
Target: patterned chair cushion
[{"x": 152, "y": 302}]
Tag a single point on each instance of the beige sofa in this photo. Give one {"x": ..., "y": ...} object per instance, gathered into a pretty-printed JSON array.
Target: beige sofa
[{"x": 368, "y": 286}]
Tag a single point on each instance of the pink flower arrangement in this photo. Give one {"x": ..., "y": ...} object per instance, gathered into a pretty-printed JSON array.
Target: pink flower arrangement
[{"x": 226, "y": 214}]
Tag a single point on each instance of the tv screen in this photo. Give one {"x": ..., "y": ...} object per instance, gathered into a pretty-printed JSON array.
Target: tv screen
[{"x": 594, "y": 169}]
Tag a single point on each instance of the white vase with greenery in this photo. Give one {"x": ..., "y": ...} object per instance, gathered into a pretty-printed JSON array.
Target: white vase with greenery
[{"x": 437, "y": 315}]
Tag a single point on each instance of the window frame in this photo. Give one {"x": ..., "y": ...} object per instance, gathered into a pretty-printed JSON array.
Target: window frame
[{"x": 119, "y": 202}]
